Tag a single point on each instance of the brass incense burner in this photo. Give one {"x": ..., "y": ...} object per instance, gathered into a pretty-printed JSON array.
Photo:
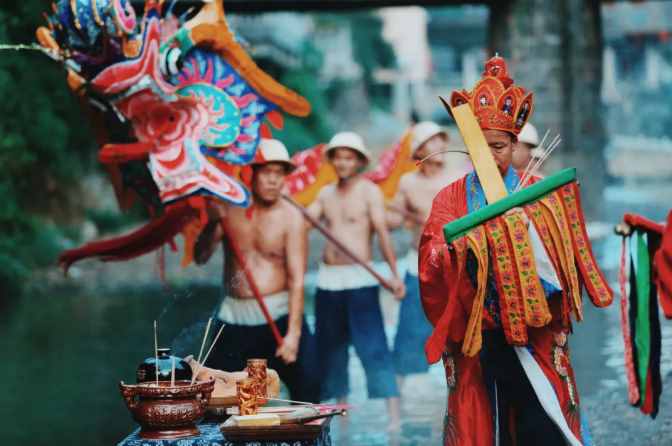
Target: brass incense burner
[{"x": 167, "y": 412}]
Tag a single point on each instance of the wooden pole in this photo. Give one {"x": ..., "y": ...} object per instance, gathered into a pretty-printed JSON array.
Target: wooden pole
[{"x": 344, "y": 249}]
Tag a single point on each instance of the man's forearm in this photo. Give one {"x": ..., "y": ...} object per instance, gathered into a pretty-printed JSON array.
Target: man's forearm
[
  {"x": 388, "y": 251},
  {"x": 295, "y": 310}
]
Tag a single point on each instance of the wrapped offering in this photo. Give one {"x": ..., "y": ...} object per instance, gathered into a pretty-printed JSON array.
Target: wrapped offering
[
  {"x": 247, "y": 396},
  {"x": 256, "y": 370}
]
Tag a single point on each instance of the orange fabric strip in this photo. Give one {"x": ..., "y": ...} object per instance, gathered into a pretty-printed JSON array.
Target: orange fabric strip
[
  {"x": 477, "y": 242},
  {"x": 598, "y": 289},
  {"x": 532, "y": 293},
  {"x": 510, "y": 302},
  {"x": 557, "y": 221}
]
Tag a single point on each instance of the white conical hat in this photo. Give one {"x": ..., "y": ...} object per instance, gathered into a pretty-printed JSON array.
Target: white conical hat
[
  {"x": 273, "y": 151},
  {"x": 348, "y": 140},
  {"x": 529, "y": 135},
  {"x": 423, "y": 131}
]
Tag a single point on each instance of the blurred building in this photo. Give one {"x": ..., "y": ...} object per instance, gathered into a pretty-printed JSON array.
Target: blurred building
[{"x": 637, "y": 88}]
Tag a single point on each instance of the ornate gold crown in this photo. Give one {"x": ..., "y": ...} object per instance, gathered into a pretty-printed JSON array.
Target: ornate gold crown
[{"x": 497, "y": 103}]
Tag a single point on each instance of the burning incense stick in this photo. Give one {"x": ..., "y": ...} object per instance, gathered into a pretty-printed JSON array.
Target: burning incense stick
[
  {"x": 172, "y": 374},
  {"x": 547, "y": 154},
  {"x": 533, "y": 165},
  {"x": 156, "y": 353},
  {"x": 529, "y": 163},
  {"x": 205, "y": 338},
  {"x": 200, "y": 364},
  {"x": 556, "y": 142},
  {"x": 302, "y": 403}
]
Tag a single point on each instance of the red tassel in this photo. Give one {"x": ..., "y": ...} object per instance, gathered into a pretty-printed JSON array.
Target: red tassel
[
  {"x": 265, "y": 131},
  {"x": 123, "y": 153},
  {"x": 633, "y": 388},
  {"x": 644, "y": 223},
  {"x": 161, "y": 264},
  {"x": 276, "y": 119},
  {"x": 139, "y": 242},
  {"x": 663, "y": 267},
  {"x": 647, "y": 404}
]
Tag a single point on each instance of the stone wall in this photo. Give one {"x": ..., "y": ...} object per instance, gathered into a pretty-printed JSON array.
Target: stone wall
[{"x": 555, "y": 49}]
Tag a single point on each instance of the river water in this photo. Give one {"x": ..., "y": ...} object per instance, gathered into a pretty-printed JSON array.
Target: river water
[{"x": 67, "y": 344}]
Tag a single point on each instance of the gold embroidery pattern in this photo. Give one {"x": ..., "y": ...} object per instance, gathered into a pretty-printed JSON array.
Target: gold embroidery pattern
[
  {"x": 477, "y": 242},
  {"x": 599, "y": 291},
  {"x": 536, "y": 214},
  {"x": 532, "y": 293},
  {"x": 511, "y": 307},
  {"x": 556, "y": 219}
]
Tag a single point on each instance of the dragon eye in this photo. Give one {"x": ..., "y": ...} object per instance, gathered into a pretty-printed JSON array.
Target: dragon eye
[{"x": 171, "y": 62}]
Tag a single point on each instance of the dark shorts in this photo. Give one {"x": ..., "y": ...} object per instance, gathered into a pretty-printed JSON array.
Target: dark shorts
[
  {"x": 352, "y": 317},
  {"x": 412, "y": 332},
  {"x": 238, "y": 343}
]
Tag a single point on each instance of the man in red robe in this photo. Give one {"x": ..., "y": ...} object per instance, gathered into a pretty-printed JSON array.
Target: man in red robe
[{"x": 499, "y": 393}]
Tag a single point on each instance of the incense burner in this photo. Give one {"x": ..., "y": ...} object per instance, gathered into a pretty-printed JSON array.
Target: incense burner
[
  {"x": 146, "y": 371},
  {"x": 165, "y": 411}
]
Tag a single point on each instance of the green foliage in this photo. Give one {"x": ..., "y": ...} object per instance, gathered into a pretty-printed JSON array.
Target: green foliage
[
  {"x": 302, "y": 133},
  {"x": 44, "y": 147},
  {"x": 372, "y": 52}
]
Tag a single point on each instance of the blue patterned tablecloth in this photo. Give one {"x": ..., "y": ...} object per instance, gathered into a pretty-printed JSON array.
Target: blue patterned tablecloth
[{"x": 211, "y": 436}]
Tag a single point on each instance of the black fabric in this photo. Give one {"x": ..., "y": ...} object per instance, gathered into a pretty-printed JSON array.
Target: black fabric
[
  {"x": 506, "y": 379},
  {"x": 238, "y": 343},
  {"x": 654, "y": 240}
]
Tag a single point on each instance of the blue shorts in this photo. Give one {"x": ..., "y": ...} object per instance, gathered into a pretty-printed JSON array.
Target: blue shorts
[
  {"x": 412, "y": 331},
  {"x": 352, "y": 316}
]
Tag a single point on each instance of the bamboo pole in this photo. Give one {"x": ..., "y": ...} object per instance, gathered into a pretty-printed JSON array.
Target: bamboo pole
[{"x": 344, "y": 249}]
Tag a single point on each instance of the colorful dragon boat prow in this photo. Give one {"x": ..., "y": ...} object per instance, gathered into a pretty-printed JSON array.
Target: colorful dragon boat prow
[{"x": 180, "y": 107}]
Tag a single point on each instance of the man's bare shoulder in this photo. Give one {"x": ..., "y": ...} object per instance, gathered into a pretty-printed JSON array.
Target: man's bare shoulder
[
  {"x": 369, "y": 189},
  {"x": 367, "y": 185},
  {"x": 327, "y": 191},
  {"x": 235, "y": 211},
  {"x": 290, "y": 214},
  {"x": 407, "y": 180},
  {"x": 451, "y": 187}
]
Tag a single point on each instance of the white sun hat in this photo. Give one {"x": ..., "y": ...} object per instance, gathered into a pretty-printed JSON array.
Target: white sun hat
[
  {"x": 348, "y": 140},
  {"x": 423, "y": 132},
  {"x": 529, "y": 135},
  {"x": 273, "y": 151},
  {"x": 536, "y": 153}
]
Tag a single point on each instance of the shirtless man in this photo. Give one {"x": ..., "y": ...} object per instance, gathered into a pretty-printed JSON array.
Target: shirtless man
[
  {"x": 271, "y": 236},
  {"x": 412, "y": 206},
  {"x": 347, "y": 308}
]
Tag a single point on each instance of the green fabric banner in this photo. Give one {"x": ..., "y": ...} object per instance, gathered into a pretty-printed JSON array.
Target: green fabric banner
[
  {"x": 456, "y": 229},
  {"x": 642, "y": 323}
]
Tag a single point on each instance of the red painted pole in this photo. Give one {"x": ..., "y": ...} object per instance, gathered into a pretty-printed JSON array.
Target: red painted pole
[{"x": 253, "y": 285}]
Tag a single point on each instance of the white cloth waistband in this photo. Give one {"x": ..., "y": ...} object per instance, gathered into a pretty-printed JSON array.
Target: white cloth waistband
[
  {"x": 344, "y": 277},
  {"x": 412, "y": 262},
  {"x": 237, "y": 311}
]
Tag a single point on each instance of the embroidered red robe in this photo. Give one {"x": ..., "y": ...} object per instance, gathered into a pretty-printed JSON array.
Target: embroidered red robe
[{"x": 449, "y": 299}]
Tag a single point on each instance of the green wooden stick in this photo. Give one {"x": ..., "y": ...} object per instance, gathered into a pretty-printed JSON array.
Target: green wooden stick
[{"x": 457, "y": 228}]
